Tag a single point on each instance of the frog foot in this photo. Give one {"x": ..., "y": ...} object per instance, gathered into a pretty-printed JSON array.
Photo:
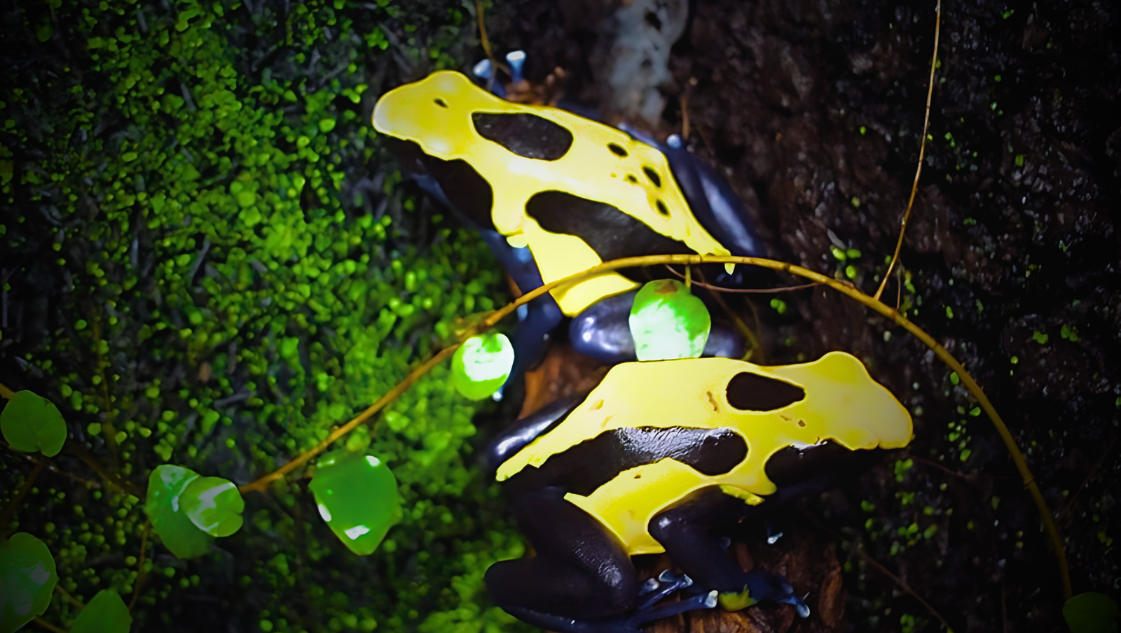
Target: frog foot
[
  {"x": 651, "y": 593},
  {"x": 485, "y": 70},
  {"x": 762, "y": 585}
]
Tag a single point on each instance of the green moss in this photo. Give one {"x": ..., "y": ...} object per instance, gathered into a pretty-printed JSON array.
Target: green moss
[{"x": 221, "y": 279}]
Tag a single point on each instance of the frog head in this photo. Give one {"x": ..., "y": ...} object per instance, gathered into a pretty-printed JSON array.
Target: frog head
[{"x": 575, "y": 191}]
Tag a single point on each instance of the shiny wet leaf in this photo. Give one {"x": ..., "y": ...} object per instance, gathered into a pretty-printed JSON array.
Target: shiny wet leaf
[
  {"x": 106, "y": 613},
  {"x": 357, "y": 497},
  {"x": 164, "y": 506},
  {"x": 32, "y": 423},
  {"x": 214, "y": 505},
  {"x": 668, "y": 322},
  {"x": 481, "y": 365},
  {"x": 27, "y": 579},
  {"x": 1091, "y": 612}
]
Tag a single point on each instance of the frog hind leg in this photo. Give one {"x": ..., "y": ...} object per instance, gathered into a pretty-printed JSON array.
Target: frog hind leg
[
  {"x": 579, "y": 573},
  {"x": 683, "y": 531}
]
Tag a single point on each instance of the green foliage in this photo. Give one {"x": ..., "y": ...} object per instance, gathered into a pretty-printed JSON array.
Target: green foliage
[
  {"x": 1091, "y": 612},
  {"x": 166, "y": 509},
  {"x": 106, "y": 613},
  {"x": 481, "y": 364},
  {"x": 27, "y": 580},
  {"x": 357, "y": 496},
  {"x": 31, "y": 423},
  {"x": 214, "y": 505},
  {"x": 225, "y": 277},
  {"x": 668, "y": 322}
]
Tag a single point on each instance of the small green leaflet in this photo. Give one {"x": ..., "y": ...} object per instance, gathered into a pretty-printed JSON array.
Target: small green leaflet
[
  {"x": 32, "y": 423},
  {"x": 668, "y": 322},
  {"x": 357, "y": 497},
  {"x": 27, "y": 580},
  {"x": 1091, "y": 612},
  {"x": 214, "y": 505},
  {"x": 165, "y": 509},
  {"x": 481, "y": 364},
  {"x": 106, "y": 613}
]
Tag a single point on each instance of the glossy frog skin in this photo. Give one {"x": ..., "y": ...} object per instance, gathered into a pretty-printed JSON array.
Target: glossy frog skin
[
  {"x": 553, "y": 194},
  {"x": 657, "y": 453}
]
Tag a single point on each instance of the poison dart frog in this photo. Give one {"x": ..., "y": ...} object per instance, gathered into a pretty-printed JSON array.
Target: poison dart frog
[
  {"x": 654, "y": 455},
  {"x": 553, "y": 194}
]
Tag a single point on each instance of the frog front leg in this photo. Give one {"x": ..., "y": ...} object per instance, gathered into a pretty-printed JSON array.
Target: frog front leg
[
  {"x": 603, "y": 332},
  {"x": 683, "y": 531},
  {"x": 539, "y": 317}
]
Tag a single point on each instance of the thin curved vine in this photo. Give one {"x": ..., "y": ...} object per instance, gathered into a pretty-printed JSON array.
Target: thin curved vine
[{"x": 944, "y": 355}]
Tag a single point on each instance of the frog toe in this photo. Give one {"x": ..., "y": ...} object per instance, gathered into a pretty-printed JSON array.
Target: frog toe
[{"x": 759, "y": 585}]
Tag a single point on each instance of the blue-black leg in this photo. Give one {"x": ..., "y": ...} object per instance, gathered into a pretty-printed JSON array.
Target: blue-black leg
[
  {"x": 522, "y": 432},
  {"x": 603, "y": 332},
  {"x": 580, "y": 572},
  {"x": 542, "y": 315},
  {"x": 683, "y": 532}
]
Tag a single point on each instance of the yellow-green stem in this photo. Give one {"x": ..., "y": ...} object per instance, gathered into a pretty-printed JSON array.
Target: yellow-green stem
[{"x": 693, "y": 260}]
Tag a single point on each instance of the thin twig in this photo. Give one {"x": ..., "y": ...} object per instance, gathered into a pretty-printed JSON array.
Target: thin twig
[
  {"x": 922, "y": 152},
  {"x": 52, "y": 467},
  {"x": 494, "y": 63},
  {"x": 904, "y": 586},
  {"x": 47, "y": 625},
  {"x": 140, "y": 575},
  {"x": 934, "y": 464},
  {"x": 7, "y": 393},
  {"x": 736, "y": 320},
  {"x": 1089, "y": 475},
  {"x": 744, "y": 291},
  {"x": 79, "y": 451},
  {"x": 10, "y": 510},
  {"x": 74, "y": 601},
  {"x": 686, "y": 260},
  {"x": 109, "y": 431}
]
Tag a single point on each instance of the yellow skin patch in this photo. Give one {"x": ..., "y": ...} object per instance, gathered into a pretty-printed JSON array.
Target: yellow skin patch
[
  {"x": 590, "y": 170},
  {"x": 842, "y": 403}
]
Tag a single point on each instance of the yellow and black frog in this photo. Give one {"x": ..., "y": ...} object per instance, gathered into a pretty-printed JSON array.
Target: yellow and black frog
[
  {"x": 651, "y": 458},
  {"x": 553, "y": 194}
]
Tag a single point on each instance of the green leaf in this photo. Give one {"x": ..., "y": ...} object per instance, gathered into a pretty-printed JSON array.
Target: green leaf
[
  {"x": 1091, "y": 612},
  {"x": 668, "y": 322},
  {"x": 214, "y": 505},
  {"x": 481, "y": 365},
  {"x": 106, "y": 613},
  {"x": 27, "y": 579},
  {"x": 357, "y": 497},
  {"x": 32, "y": 423},
  {"x": 165, "y": 487}
]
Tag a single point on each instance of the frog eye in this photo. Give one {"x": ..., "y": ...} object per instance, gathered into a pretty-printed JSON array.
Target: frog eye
[
  {"x": 524, "y": 134},
  {"x": 752, "y": 392}
]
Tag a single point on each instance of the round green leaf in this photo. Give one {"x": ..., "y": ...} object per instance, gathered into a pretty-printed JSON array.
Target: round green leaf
[
  {"x": 1091, "y": 612},
  {"x": 481, "y": 365},
  {"x": 169, "y": 519},
  {"x": 106, "y": 613},
  {"x": 32, "y": 423},
  {"x": 357, "y": 497},
  {"x": 27, "y": 579},
  {"x": 668, "y": 322},
  {"x": 214, "y": 505}
]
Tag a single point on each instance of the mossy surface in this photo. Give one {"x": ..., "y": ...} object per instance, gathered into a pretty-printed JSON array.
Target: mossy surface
[{"x": 207, "y": 263}]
